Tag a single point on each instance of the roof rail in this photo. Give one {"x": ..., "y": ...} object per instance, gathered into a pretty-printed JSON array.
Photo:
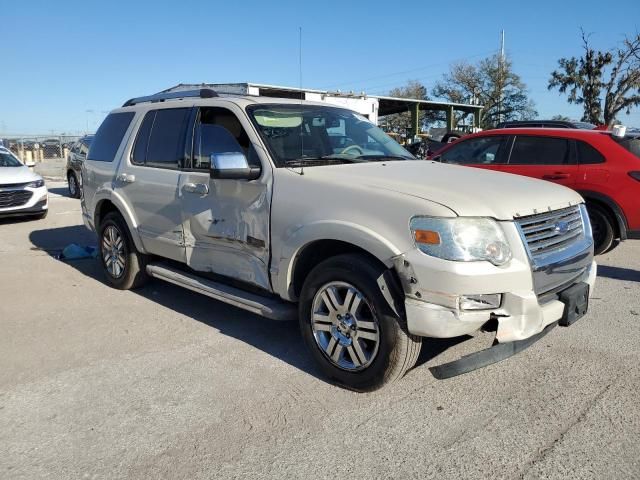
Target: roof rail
[{"x": 161, "y": 97}]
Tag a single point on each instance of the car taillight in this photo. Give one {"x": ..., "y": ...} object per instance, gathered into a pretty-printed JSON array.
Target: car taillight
[{"x": 635, "y": 175}]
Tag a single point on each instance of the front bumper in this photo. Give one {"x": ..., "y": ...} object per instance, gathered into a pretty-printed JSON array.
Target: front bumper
[
  {"x": 433, "y": 288},
  {"x": 37, "y": 203},
  {"x": 520, "y": 316}
]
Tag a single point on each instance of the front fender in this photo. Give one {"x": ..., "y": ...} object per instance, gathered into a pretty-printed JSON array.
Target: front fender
[
  {"x": 355, "y": 234},
  {"x": 107, "y": 195}
]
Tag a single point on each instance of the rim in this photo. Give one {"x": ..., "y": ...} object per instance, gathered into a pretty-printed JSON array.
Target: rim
[
  {"x": 344, "y": 326},
  {"x": 113, "y": 251},
  {"x": 72, "y": 184}
]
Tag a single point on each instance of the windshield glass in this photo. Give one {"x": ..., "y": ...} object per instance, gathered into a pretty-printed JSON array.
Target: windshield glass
[
  {"x": 7, "y": 159},
  {"x": 316, "y": 135}
]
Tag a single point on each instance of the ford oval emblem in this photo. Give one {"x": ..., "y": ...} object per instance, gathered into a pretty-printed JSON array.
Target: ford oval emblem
[{"x": 561, "y": 227}]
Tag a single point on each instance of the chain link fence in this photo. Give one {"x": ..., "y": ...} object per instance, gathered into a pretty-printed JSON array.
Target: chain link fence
[{"x": 33, "y": 149}]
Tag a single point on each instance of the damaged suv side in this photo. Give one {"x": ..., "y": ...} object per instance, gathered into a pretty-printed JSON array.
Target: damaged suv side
[{"x": 293, "y": 209}]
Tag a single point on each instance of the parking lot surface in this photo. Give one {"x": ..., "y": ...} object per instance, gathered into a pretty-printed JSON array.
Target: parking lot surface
[{"x": 165, "y": 383}]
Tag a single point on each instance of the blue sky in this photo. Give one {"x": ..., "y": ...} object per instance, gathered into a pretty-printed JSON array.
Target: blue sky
[{"x": 66, "y": 63}]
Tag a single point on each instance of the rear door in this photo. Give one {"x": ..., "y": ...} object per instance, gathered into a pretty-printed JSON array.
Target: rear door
[
  {"x": 149, "y": 180},
  {"x": 546, "y": 158}
]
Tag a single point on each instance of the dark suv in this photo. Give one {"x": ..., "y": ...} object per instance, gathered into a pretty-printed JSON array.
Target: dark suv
[
  {"x": 76, "y": 156},
  {"x": 603, "y": 168}
]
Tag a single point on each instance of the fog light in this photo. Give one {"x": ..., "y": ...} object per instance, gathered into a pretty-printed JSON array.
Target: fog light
[{"x": 480, "y": 301}]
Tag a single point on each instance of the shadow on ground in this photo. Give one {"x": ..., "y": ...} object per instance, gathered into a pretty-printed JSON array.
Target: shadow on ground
[
  {"x": 619, "y": 273},
  {"x": 62, "y": 191},
  {"x": 279, "y": 339}
]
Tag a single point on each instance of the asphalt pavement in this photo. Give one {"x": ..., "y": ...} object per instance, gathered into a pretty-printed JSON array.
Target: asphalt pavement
[{"x": 165, "y": 383}]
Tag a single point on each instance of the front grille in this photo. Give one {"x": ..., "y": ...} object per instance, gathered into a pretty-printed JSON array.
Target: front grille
[
  {"x": 551, "y": 232},
  {"x": 14, "y": 198}
]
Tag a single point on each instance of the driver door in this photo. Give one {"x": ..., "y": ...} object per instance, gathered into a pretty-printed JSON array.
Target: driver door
[{"x": 226, "y": 221}]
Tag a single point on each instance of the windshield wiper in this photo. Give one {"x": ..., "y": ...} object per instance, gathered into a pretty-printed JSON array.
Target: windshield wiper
[
  {"x": 324, "y": 160},
  {"x": 382, "y": 158}
]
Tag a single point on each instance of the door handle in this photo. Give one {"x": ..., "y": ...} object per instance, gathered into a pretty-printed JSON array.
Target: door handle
[
  {"x": 126, "y": 178},
  {"x": 199, "y": 188},
  {"x": 556, "y": 176}
]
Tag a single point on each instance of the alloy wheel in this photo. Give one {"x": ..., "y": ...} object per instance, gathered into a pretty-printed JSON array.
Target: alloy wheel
[
  {"x": 344, "y": 326},
  {"x": 113, "y": 251}
]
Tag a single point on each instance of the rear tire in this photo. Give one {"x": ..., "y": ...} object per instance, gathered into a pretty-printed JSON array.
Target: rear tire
[
  {"x": 124, "y": 266},
  {"x": 74, "y": 186},
  {"x": 602, "y": 226},
  {"x": 353, "y": 334}
]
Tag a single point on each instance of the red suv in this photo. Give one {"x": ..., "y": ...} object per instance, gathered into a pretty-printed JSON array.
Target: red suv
[{"x": 603, "y": 168}]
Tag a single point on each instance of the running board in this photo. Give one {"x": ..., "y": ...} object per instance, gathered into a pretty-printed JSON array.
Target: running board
[{"x": 264, "y": 306}]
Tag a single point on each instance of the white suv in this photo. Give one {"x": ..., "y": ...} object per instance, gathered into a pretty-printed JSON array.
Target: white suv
[
  {"x": 22, "y": 192},
  {"x": 289, "y": 208}
]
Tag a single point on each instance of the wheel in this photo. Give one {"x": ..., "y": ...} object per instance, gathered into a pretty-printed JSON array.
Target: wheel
[
  {"x": 353, "y": 334},
  {"x": 74, "y": 186},
  {"x": 124, "y": 266},
  {"x": 602, "y": 226}
]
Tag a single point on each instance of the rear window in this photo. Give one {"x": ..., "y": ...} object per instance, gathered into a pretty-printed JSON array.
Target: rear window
[
  {"x": 632, "y": 144},
  {"x": 109, "y": 136}
]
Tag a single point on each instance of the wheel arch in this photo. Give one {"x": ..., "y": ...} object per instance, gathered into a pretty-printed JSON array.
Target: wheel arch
[
  {"x": 317, "y": 242},
  {"x": 606, "y": 202},
  {"x": 114, "y": 204}
]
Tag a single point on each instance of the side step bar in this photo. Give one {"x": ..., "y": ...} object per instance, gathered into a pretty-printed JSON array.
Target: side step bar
[{"x": 267, "y": 307}]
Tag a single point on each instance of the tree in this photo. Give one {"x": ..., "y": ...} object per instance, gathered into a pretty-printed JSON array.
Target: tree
[
  {"x": 585, "y": 79},
  {"x": 401, "y": 122},
  {"x": 561, "y": 118},
  {"x": 491, "y": 83}
]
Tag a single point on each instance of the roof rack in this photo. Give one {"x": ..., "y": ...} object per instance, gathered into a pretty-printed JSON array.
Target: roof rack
[{"x": 162, "y": 96}]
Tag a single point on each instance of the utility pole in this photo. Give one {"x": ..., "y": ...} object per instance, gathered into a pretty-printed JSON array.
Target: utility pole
[{"x": 501, "y": 75}]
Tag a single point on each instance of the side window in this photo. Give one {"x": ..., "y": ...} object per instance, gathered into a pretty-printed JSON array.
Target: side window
[
  {"x": 218, "y": 130},
  {"x": 82, "y": 149},
  {"x": 484, "y": 150},
  {"x": 166, "y": 141},
  {"x": 139, "y": 154},
  {"x": 109, "y": 137},
  {"x": 530, "y": 150},
  {"x": 587, "y": 154}
]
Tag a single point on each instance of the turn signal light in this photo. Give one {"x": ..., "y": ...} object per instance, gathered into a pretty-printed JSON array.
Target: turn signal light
[
  {"x": 427, "y": 236},
  {"x": 635, "y": 175}
]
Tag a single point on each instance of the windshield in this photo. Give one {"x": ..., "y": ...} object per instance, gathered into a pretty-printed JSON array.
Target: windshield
[
  {"x": 7, "y": 159},
  {"x": 316, "y": 135}
]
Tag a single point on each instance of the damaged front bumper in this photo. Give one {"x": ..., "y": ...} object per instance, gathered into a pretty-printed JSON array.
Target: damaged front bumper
[{"x": 434, "y": 288}]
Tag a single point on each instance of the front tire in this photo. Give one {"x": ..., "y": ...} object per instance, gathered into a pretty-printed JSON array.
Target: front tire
[
  {"x": 353, "y": 334},
  {"x": 124, "y": 266},
  {"x": 602, "y": 226}
]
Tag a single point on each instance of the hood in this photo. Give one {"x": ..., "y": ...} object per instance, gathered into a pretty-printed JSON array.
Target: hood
[
  {"x": 11, "y": 175},
  {"x": 468, "y": 191}
]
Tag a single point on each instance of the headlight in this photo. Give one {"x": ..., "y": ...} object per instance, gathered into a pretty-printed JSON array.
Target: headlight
[
  {"x": 36, "y": 184},
  {"x": 461, "y": 239}
]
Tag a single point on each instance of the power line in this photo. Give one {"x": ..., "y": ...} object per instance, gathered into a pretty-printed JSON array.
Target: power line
[{"x": 404, "y": 71}]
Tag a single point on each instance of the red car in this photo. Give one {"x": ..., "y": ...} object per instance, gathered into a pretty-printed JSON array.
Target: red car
[{"x": 602, "y": 167}]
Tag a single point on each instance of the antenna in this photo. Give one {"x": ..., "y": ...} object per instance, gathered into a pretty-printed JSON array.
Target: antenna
[
  {"x": 501, "y": 70},
  {"x": 302, "y": 116}
]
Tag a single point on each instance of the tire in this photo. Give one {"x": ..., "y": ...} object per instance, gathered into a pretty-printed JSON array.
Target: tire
[
  {"x": 124, "y": 266},
  {"x": 73, "y": 185},
  {"x": 602, "y": 226},
  {"x": 354, "y": 336}
]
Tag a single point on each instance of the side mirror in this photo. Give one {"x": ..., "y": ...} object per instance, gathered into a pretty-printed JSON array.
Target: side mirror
[{"x": 232, "y": 165}]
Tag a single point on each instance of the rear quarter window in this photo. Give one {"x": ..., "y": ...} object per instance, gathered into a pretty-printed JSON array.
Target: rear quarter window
[
  {"x": 631, "y": 144},
  {"x": 587, "y": 154},
  {"x": 109, "y": 137}
]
